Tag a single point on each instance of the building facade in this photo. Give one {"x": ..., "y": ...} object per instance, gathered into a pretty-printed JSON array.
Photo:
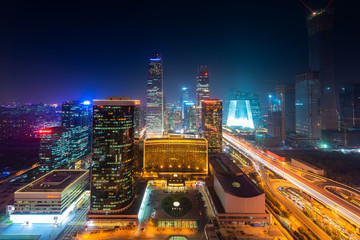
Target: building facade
[
  {"x": 112, "y": 186},
  {"x": 212, "y": 122},
  {"x": 308, "y": 108},
  {"x": 255, "y": 110},
  {"x": 50, "y": 198},
  {"x": 202, "y": 91},
  {"x": 76, "y": 118},
  {"x": 155, "y": 97},
  {"x": 55, "y": 149},
  {"x": 176, "y": 154},
  {"x": 189, "y": 120},
  {"x": 320, "y": 34},
  {"x": 350, "y": 106}
]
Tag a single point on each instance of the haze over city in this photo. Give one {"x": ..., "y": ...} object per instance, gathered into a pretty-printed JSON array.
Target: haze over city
[{"x": 93, "y": 49}]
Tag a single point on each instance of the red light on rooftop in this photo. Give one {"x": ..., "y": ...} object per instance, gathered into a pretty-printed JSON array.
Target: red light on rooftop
[
  {"x": 45, "y": 131},
  {"x": 210, "y": 101}
]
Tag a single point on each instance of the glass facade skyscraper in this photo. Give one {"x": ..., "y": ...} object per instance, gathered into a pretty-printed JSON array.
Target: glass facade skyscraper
[
  {"x": 202, "y": 91},
  {"x": 112, "y": 188},
  {"x": 350, "y": 106},
  {"x": 307, "y": 105},
  {"x": 155, "y": 97},
  {"x": 212, "y": 122},
  {"x": 55, "y": 148},
  {"x": 320, "y": 31},
  {"x": 75, "y": 118}
]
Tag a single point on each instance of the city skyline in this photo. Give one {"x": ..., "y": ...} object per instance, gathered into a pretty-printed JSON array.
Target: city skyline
[{"x": 244, "y": 56}]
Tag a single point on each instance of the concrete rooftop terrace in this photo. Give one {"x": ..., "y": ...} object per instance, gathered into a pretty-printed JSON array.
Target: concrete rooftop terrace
[{"x": 54, "y": 181}]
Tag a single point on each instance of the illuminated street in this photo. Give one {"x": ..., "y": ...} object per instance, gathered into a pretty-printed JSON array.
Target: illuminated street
[{"x": 344, "y": 208}]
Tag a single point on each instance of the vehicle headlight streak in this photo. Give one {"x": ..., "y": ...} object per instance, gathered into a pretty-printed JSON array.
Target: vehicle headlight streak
[{"x": 348, "y": 214}]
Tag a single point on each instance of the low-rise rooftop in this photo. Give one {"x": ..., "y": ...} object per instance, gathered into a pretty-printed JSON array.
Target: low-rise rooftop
[{"x": 54, "y": 181}]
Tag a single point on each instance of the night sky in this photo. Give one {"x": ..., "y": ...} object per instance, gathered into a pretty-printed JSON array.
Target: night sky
[{"x": 51, "y": 51}]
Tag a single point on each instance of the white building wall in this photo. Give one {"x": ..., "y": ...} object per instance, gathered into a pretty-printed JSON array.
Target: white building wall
[
  {"x": 219, "y": 191},
  {"x": 244, "y": 205}
]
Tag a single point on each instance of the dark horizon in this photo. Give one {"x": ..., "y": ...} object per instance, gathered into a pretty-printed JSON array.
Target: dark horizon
[{"x": 91, "y": 50}]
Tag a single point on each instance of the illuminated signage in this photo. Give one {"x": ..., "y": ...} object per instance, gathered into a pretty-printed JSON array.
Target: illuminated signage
[
  {"x": 45, "y": 131},
  {"x": 53, "y": 196},
  {"x": 86, "y": 102}
]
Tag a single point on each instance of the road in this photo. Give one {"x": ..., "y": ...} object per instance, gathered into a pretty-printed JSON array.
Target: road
[
  {"x": 297, "y": 212},
  {"x": 294, "y": 210},
  {"x": 346, "y": 209},
  {"x": 76, "y": 222}
]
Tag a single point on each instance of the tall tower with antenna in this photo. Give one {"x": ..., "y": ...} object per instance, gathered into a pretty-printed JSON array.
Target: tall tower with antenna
[{"x": 320, "y": 34}]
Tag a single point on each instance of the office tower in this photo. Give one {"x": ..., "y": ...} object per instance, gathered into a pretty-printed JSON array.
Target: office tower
[
  {"x": 189, "y": 120},
  {"x": 274, "y": 119},
  {"x": 184, "y": 97},
  {"x": 320, "y": 27},
  {"x": 212, "y": 122},
  {"x": 350, "y": 106},
  {"x": 112, "y": 186},
  {"x": 243, "y": 110},
  {"x": 55, "y": 149},
  {"x": 184, "y": 94},
  {"x": 155, "y": 97},
  {"x": 286, "y": 95},
  {"x": 202, "y": 91},
  {"x": 307, "y": 104},
  {"x": 75, "y": 118}
]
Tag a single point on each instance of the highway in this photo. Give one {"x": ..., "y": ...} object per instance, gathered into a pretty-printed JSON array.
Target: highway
[
  {"x": 294, "y": 210},
  {"x": 344, "y": 208}
]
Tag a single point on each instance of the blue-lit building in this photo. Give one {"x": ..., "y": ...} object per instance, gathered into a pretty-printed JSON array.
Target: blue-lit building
[
  {"x": 189, "y": 120},
  {"x": 242, "y": 110},
  {"x": 155, "y": 97},
  {"x": 112, "y": 182},
  {"x": 184, "y": 98},
  {"x": 76, "y": 118},
  {"x": 55, "y": 148}
]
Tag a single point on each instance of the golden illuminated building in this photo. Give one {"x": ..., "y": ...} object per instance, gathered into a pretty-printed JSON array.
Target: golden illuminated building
[{"x": 176, "y": 154}]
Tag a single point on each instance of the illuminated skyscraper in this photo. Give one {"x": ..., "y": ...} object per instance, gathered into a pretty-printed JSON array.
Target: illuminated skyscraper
[
  {"x": 184, "y": 94},
  {"x": 212, "y": 122},
  {"x": 189, "y": 120},
  {"x": 155, "y": 97},
  {"x": 75, "y": 117},
  {"x": 202, "y": 91},
  {"x": 184, "y": 97},
  {"x": 320, "y": 27},
  {"x": 55, "y": 148},
  {"x": 307, "y": 105},
  {"x": 112, "y": 186}
]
